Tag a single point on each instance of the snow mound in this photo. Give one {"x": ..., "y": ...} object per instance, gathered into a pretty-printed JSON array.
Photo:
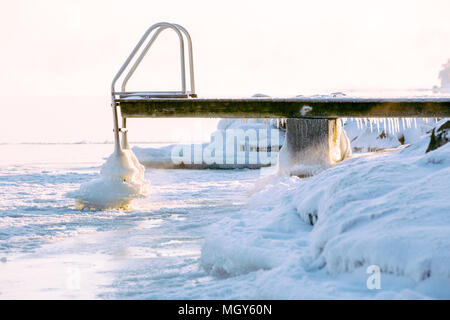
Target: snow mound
[
  {"x": 121, "y": 181},
  {"x": 388, "y": 208},
  {"x": 255, "y": 239}
]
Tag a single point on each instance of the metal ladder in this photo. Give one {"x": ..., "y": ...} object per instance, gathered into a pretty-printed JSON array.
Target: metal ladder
[{"x": 156, "y": 30}]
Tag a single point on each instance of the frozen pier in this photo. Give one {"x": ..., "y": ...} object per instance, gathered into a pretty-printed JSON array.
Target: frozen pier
[{"x": 314, "y": 137}]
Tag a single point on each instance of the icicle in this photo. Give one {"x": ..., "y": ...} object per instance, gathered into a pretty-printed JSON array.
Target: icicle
[
  {"x": 371, "y": 127},
  {"x": 378, "y": 125},
  {"x": 390, "y": 126}
]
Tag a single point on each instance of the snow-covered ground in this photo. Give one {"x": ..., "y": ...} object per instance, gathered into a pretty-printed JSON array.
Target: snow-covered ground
[{"x": 390, "y": 209}]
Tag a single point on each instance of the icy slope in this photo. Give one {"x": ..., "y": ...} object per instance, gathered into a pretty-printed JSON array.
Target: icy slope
[{"x": 390, "y": 209}]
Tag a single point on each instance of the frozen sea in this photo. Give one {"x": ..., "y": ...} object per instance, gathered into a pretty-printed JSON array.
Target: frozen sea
[
  {"x": 225, "y": 234},
  {"x": 48, "y": 249}
]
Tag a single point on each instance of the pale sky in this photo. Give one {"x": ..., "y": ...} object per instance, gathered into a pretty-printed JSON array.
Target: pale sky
[{"x": 58, "y": 57}]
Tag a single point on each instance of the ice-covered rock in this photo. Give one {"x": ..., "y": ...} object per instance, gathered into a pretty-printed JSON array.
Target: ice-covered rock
[{"x": 440, "y": 135}]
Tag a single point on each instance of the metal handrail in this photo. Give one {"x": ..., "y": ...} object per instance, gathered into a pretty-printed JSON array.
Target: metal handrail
[
  {"x": 166, "y": 25},
  {"x": 191, "y": 57},
  {"x": 148, "y": 46},
  {"x": 161, "y": 26}
]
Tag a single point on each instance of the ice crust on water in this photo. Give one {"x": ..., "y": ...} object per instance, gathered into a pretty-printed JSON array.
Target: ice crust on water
[
  {"x": 389, "y": 208},
  {"x": 121, "y": 181}
]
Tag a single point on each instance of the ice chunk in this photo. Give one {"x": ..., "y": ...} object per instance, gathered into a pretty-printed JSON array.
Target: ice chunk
[{"x": 121, "y": 181}]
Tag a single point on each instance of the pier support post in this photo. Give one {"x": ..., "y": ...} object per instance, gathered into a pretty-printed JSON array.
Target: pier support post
[
  {"x": 312, "y": 145},
  {"x": 117, "y": 146},
  {"x": 125, "y": 144}
]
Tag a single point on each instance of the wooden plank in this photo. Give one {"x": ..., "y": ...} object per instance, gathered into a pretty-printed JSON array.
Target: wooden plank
[{"x": 285, "y": 108}]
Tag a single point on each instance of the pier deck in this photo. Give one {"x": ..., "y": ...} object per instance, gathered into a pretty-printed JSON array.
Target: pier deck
[{"x": 303, "y": 107}]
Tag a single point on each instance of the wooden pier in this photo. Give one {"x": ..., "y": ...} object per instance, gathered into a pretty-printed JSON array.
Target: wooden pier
[
  {"x": 313, "y": 136},
  {"x": 330, "y": 108}
]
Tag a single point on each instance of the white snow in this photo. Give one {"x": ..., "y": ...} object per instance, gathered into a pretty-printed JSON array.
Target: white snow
[
  {"x": 215, "y": 234},
  {"x": 390, "y": 208},
  {"x": 121, "y": 181}
]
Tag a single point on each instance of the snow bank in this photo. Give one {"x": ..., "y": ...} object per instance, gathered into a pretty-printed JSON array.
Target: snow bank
[
  {"x": 388, "y": 208},
  {"x": 121, "y": 181},
  {"x": 255, "y": 239}
]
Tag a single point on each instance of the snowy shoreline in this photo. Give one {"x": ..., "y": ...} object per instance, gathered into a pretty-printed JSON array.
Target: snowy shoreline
[{"x": 389, "y": 208}]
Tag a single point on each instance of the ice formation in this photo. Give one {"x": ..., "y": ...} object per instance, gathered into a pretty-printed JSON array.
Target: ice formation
[
  {"x": 373, "y": 134},
  {"x": 121, "y": 181},
  {"x": 388, "y": 209},
  {"x": 305, "y": 153}
]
